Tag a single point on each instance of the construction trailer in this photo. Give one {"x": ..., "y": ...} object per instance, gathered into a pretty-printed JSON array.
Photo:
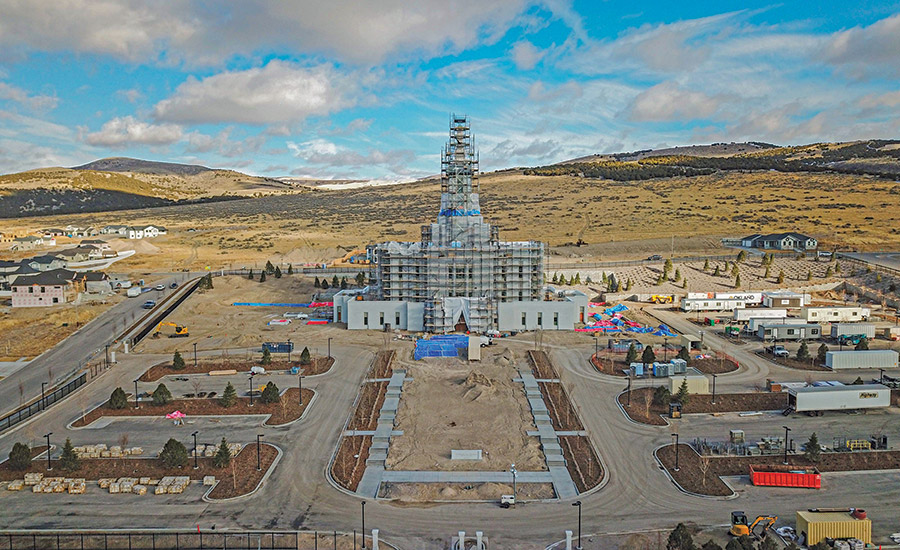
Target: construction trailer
[
  {"x": 689, "y": 341},
  {"x": 785, "y": 299},
  {"x": 745, "y": 314},
  {"x": 814, "y": 525},
  {"x": 852, "y": 329},
  {"x": 835, "y": 314},
  {"x": 789, "y": 332},
  {"x": 750, "y": 298},
  {"x": 711, "y": 304},
  {"x": 862, "y": 359},
  {"x": 697, "y": 382},
  {"x": 890, "y": 333},
  {"x": 815, "y": 400},
  {"x": 754, "y": 323}
]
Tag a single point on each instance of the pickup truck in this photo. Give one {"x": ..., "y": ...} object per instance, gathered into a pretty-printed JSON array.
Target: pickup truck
[{"x": 778, "y": 351}]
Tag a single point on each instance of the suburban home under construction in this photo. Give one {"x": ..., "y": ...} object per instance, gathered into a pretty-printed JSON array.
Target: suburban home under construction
[{"x": 460, "y": 276}]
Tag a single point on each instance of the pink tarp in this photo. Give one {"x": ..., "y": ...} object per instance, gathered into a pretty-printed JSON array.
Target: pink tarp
[{"x": 176, "y": 415}]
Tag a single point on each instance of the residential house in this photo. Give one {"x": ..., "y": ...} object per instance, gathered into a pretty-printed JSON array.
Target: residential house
[
  {"x": 101, "y": 245},
  {"x": 46, "y": 289},
  {"x": 46, "y": 263},
  {"x": 115, "y": 230},
  {"x": 86, "y": 232},
  {"x": 153, "y": 231},
  {"x": 10, "y": 271},
  {"x": 96, "y": 282},
  {"x": 135, "y": 232},
  {"x": 54, "y": 232},
  {"x": 29, "y": 242},
  {"x": 80, "y": 254},
  {"x": 780, "y": 241}
]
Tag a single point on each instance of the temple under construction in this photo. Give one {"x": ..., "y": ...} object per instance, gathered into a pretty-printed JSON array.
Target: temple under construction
[{"x": 459, "y": 277}]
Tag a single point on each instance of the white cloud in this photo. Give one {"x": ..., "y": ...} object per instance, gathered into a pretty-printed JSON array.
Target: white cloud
[
  {"x": 131, "y": 95},
  {"x": 277, "y": 93},
  {"x": 124, "y": 131},
  {"x": 17, "y": 156},
  {"x": 222, "y": 143},
  {"x": 325, "y": 153},
  {"x": 536, "y": 149},
  {"x": 33, "y": 102},
  {"x": 866, "y": 51},
  {"x": 875, "y": 101},
  {"x": 526, "y": 55},
  {"x": 667, "y": 101}
]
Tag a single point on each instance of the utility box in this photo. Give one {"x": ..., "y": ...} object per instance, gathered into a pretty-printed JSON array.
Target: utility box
[
  {"x": 474, "y": 348},
  {"x": 815, "y": 526},
  {"x": 862, "y": 359}
]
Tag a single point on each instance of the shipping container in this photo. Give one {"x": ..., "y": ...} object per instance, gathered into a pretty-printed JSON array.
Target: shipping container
[
  {"x": 754, "y": 323},
  {"x": 852, "y": 329},
  {"x": 835, "y": 398},
  {"x": 745, "y": 314},
  {"x": 862, "y": 359},
  {"x": 749, "y": 298},
  {"x": 835, "y": 314},
  {"x": 697, "y": 382},
  {"x": 789, "y": 332},
  {"x": 785, "y": 476},
  {"x": 785, "y": 299},
  {"x": 816, "y": 526}
]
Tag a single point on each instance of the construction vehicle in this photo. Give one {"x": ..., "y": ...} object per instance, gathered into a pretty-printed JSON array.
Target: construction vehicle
[
  {"x": 507, "y": 501},
  {"x": 180, "y": 331},
  {"x": 355, "y": 257},
  {"x": 850, "y": 339},
  {"x": 661, "y": 299},
  {"x": 740, "y": 527}
]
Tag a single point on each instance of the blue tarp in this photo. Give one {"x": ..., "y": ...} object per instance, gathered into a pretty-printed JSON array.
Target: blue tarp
[
  {"x": 663, "y": 330},
  {"x": 442, "y": 345},
  {"x": 615, "y": 309}
]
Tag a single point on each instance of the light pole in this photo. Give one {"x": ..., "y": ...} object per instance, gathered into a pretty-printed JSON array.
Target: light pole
[
  {"x": 329, "y": 356},
  {"x": 701, "y": 340},
  {"x": 49, "y": 466},
  {"x": 578, "y": 504},
  {"x": 628, "y": 390},
  {"x": 43, "y": 399},
  {"x": 881, "y": 376},
  {"x": 786, "y": 430},
  {"x": 676, "y": 452},
  {"x": 135, "y": 394},
  {"x": 363, "y": 506},
  {"x": 251, "y": 390},
  {"x": 665, "y": 350},
  {"x": 714, "y": 390},
  {"x": 300, "y": 386},
  {"x": 107, "y": 356},
  {"x": 196, "y": 465},
  {"x": 195, "y": 354},
  {"x": 290, "y": 348},
  {"x": 514, "y": 472},
  {"x": 258, "y": 465}
]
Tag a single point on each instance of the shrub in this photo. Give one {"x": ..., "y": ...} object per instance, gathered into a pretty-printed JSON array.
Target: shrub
[
  {"x": 270, "y": 393},
  {"x": 290, "y": 269},
  {"x": 69, "y": 460},
  {"x": 334, "y": 281},
  {"x": 323, "y": 285},
  {"x": 223, "y": 455},
  {"x": 177, "y": 361},
  {"x": 803, "y": 352},
  {"x": 305, "y": 358},
  {"x": 270, "y": 269},
  {"x": 661, "y": 395},
  {"x": 262, "y": 277},
  {"x": 360, "y": 279},
  {"x": 20, "y": 457},
  {"x": 862, "y": 345},
  {"x": 277, "y": 272},
  {"x": 229, "y": 396},
  {"x": 117, "y": 399},
  {"x": 173, "y": 454},
  {"x": 266, "y": 357},
  {"x": 161, "y": 395},
  {"x": 317, "y": 283},
  {"x": 684, "y": 354},
  {"x": 813, "y": 451},
  {"x": 680, "y": 539},
  {"x": 344, "y": 283}
]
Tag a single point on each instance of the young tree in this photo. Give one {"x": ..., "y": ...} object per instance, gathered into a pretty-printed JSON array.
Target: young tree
[
  {"x": 20, "y": 457},
  {"x": 324, "y": 284},
  {"x": 781, "y": 277},
  {"x": 768, "y": 272},
  {"x": 317, "y": 283},
  {"x": 262, "y": 277},
  {"x": 667, "y": 266},
  {"x": 822, "y": 354},
  {"x": 660, "y": 279},
  {"x": 270, "y": 393},
  {"x": 177, "y": 361},
  {"x": 735, "y": 270},
  {"x": 250, "y": 276},
  {"x": 577, "y": 280},
  {"x": 684, "y": 354},
  {"x": 161, "y": 395},
  {"x": 305, "y": 357},
  {"x": 223, "y": 455},
  {"x": 677, "y": 275},
  {"x": 837, "y": 269},
  {"x": 360, "y": 279},
  {"x": 682, "y": 395},
  {"x": 706, "y": 264},
  {"x": 813, "y": 450},
  {"x": 117, "y": 399},
  {"x": 266, "y": 357},
  {"x": 631, "y": 356},
  {"x": 716, "y": 272},
  {"x": 555, "y": 279},
  {"x": 647, "y": 356},
  {"x": 270, "y": 269},
  {"x": 862, "y": 345},
  {"x": 69, "y": 460},
  {"x": 628, "y": 284},
  {"x": 742, "y": 255},
  {"x": 173, "y": 454},
  {"x": 661, "y": 395},
  {"x": 803, "y": 352},
  {"x": 737, "y": 281},
  {"x": 809, "y": 275},
  {"x": 229, "y": 396},
  {"x": 680, "y": 539},
  {"x": 858, "y": 382},
  {"x": 344, "y": 283},
  {"x": 768, "y": 543},
  {"x": 335, "y": 281},
  {"x": 603, "y": 278},
  {"x": 290, "y": 269},
  {"x": 277, "y": 272}
]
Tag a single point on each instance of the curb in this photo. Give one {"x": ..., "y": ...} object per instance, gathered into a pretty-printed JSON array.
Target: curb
[
  {"x": 635, "y": 422},
  {"x": 265, "y": 476},
  {"x": 306, "y": 409},
  {"x": 732, "y": 496}
]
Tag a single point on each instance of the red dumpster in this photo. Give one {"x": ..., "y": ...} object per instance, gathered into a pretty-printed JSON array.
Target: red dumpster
[{"x": 786, "y": 476}]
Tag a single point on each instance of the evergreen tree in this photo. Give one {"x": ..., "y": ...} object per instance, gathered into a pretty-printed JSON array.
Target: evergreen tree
[
  {"x": 173, "y": 454},
  {"x": 837, "y": 268},
  {"x": 117, "y": 399},
  {"x": 290, "y": 269},
  {"x": 742, "y": 255},
  {"x": 813, "y": 450},
  {"x": 360, "y": 279},
  {"x": 177, "y": 361},
  {"x": 661, "y": 395},
  {"x": 20, "y": 457},
  {"x": 324, "y": 284},
  {"x": 266, "y": 356},
  {"x": 659, "y": 280},
  {"x": 862, "y": 345},
  {"x": 684, "y": 283},
  {"x": 677, "y": 275},
  {"x": 577, "y": 279},
  {"x": 270, "y": 393},
  {"x": 680, "y": 539},
  {"x": 277, "y": 272},
  {"x": 768, "y": 272},
  {"x": 803, "y": 352},
  {"x": 620, "y": 287},
  {"x": 229, "y": 396},
  {"x": 604, "y": 278},
  {"x": 631, "y": 356},
  {"x": 250, "y": 276},
  {"x": 781, "y": 277},
  {"x": 710, "y": 545},
  {"x": 706, "y": 264},
  {"x": 556, "y": 278},
  {"x": 858, "y": 382},
  {"x": 317, "y": 283},
  {"x": 305, "y": 358},
  {"x": 161, "y": 395},
  {"x": 682, "y": 394},
  {"x": 737, "y": 281},
  {"x": 270, "y": 269},
  {"x": 344, "y": 283},
  {"x": 667, "y": 267},
  {"x": 822, "y": 354},
  {"x": 611, "y": 283},
  {"x": 716, "y": 272},
  {"x": 334, "y": 281},
  {"x": 628, "y": 284},
  {"x": 734, "y": 270},
  {"x": 69, "y": 460},
  {"x": 647, "y": 356},
  {"x": 262, "y": 277},
  {"x": 223, "y": 455},
  {"x": 684, "y": 354},
  {"x": 809, "y": 275}
]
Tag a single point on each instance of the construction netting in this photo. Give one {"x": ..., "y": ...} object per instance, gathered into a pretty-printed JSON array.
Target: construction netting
[{"x": 442, "y": 345}]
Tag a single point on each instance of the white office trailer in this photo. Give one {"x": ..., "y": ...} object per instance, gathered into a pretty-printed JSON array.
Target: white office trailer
[
  {"x": 818, "y": 399},
  {"x": 785, "y": 299},
  {"x": 852, "y": 329},
  {"x": 789, "y": 332},
  {"x": 711, "y": 304},
  {"x": 835, "y": 314},
  {"x": 754, "y": 323},
  {"x": 862, "y": 359},
  {"x": 745, "y": 314}
]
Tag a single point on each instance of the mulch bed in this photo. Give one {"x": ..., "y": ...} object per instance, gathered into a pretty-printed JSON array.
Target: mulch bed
[
  {"x": 350, "y": 461},
  {"x": 381, "y": 365},
  {"x": 793, "y": 363},
  {"x": 581, "y": 461},
  {"x": 287, "y": 410},
  {"x": 95, "y": 468},
  {"x": 371, "y": 398},
  {"x": 319, "y": 365},
  {"x": 562, "y": 414},
  {"x": 643, "y": 410},
  {"x": 542, "y": 366},
  {"x": 690, "y": 474}
]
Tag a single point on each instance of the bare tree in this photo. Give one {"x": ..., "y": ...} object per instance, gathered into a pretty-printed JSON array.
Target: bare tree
[
  {"x": 704, "y": 467},
  {"x": 196, "y": 382},
  {"x": 21, "y": 393},
  {"x": 123, "y": 442}
]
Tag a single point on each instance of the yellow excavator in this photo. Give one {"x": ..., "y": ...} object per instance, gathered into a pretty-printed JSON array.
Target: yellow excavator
[
  {"x": 180, "y": 330},
  {"x": 740, "y": 526},
  {"x": 661, "y": 299}
]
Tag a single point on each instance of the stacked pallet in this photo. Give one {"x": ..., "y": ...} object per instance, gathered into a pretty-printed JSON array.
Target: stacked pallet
[
  {"x": 210, "y": 451},
  {"x": 209, "y": 480},
  {"x": 16, "y": 485},
  {"x": 102, "y": 451},
  {"x": 47, "y": 485},
  {"x": 172, "y": 485},
  {"x": 33, "y": 478}
]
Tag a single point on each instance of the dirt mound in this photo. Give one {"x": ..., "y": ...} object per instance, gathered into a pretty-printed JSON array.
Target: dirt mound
[
  {"x": 479, "y": 387},
  {"x": 505, "y": 358},
  {"x": 478, "y": 379}
]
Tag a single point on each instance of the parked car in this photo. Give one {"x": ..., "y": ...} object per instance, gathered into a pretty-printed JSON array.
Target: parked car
[
  {"x": 149, "y": 304},
  {"x": 654, "y": 258},
  {"x": 160, "y": 287},
  {"x": 778, "y": 351},
  {"x": 173, "y": 285}
]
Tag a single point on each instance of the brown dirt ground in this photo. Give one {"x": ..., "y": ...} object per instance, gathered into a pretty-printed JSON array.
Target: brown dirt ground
[
  {"x": 95, "y": 468},
  {"x": 562, "y": 414},
  {"x": 287, "y": 410},
  {"x": 350, "y": 461},
  {"x": 319, "y": 365},
  {"x": 793, "y": 363},
  {"x": 430, "y": 492},
  {"x": 381, "y": 365},
  {"x": 614, "y": 365},
  {"x": 725, "y": 402},
  {"x": 371, "y": 398},
  {"x": 541, "y": 365},
  {"x": 581, "y": 461},
  {"x": 449, "y": 404},
  {"x": 690, "y": 475}
]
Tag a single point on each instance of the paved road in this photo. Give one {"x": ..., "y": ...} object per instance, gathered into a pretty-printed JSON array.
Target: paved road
[
  {"x": 886, "y": 259},
  {"x": 60, "y": 362}
]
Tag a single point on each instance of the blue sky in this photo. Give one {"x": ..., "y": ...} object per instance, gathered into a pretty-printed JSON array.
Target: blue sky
[{"x": 344, "y": 89}]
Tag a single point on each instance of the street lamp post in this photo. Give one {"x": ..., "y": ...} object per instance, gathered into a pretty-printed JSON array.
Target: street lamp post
[
  {"x": 49, "y": 466},
  {"x": 290, "y": 348},
  {"x": 786, "y": 430},
  {"x": 107, "y": 355},
  {"x": 258, "y": 465},
  {"x": 135, "y": 394},
  {"x": 665, "y": 350},
  {"x": 300, "y": 386},
  {"x": 881, "y": 376},
  {"x": 196, "y": 465},
  {"x": 251, "y": 390},
  {"x": 514, "y": 472},
  {"x": 714, "y": 390},
  {"x": 578, "y": 504},
  {"x": 628, "y": 391},
  {"x": 329, "y": 356},
  {"x": 676, "y": 452},
  {"x": 43, "y": 399},
  {"x": 363, "y": 506},
  {"x": 195, "y": 354}
]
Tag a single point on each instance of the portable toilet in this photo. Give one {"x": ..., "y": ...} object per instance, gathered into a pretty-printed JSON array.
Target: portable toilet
[
  {"x": 674, "y": 409},
  {"x": 637, "y": 369}
]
